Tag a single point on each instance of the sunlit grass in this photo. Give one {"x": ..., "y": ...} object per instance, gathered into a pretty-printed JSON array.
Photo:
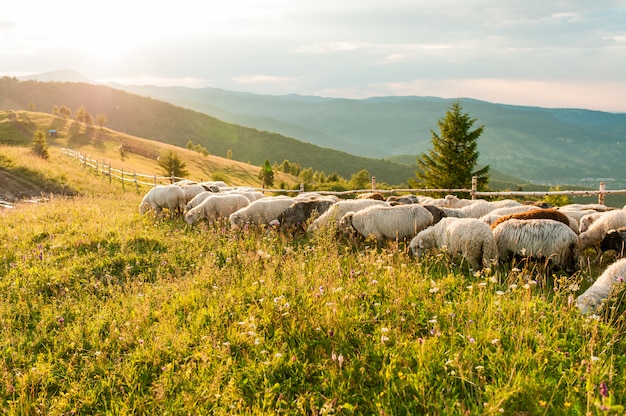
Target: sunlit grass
[{"x": 105, "y": 311}]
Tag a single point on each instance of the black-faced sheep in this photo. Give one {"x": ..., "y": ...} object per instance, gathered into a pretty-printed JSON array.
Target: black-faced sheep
[
  {"x": 469, "y": 238},
  {"x": 437, "y": 213},
  {"x": 339, "y": 209},
  {"x": 401, "y": 222},
  {"x": 171, "y": 197},
  {"x": 260, "y": 212},
  {"x": 593, "y": 236},
  {"x": 402, "y": 200},
  {"x": 591, "y": 300},
  {"x": 544, "y": 239},
  {"x": 614, "y": 240},
  {"x": 216, "y": 207}
]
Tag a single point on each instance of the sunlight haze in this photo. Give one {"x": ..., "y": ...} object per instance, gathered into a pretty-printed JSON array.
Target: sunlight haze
[{"x": 550, "y": 54}]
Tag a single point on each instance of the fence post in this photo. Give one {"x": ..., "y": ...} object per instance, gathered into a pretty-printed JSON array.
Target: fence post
[
  {"x": 110, "y": 176},
  {"x": 135, "y": 180},
  {"x": 172, "y": 177},
  {"x": 373, "y": 183},
  {"x": 122, "y": 174},
  {"x": 601, "y": 194},
  {"x": 155, "y": 180},
  {"x": 301, "y": 187},
  {"x": 474, "y": 186}
]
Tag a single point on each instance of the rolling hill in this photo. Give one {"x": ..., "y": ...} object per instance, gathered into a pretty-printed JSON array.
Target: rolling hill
[
  {"x": 161, "y": 121},
  {"x": 551, "y": 146}
]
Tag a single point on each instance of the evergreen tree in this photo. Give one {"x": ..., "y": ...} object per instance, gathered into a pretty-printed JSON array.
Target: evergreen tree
[
  {"x": 267, "y": 174},
  {"x": 360, "y": 180},
  {"x": 172, "y": 164},
  {"x": 451, "y": 162},
  {"x": 40, "y": 144}
]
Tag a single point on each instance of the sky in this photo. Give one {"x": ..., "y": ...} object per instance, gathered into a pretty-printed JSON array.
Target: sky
[{"x": 557, "y": 54}]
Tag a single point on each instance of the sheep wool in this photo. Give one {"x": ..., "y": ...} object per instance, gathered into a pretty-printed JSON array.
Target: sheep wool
[
  {"x": 539, "y": 239},
  {"x": 388, "y": 223},
  {"x": 591, "y": 300},
  {"x": 171, "y": 197},
  {"x": 215, "y": 207},
  {"x": 469, "y": 238}
]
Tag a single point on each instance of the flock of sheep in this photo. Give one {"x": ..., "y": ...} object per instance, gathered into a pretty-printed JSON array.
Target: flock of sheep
[{"x": 480, "y": 232}]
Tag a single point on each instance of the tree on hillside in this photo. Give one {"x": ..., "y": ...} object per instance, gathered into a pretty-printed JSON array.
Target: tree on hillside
[
  {"x": 360, "y": 180},
  {"x": 40, "y": 144},
  {"x": 65, "y": 112},
  {"x": 267, "y": 174},
  {"x": 101, "y": 119},
  {"x": 451, "y": 162},
  {"x": 173, "y": 165}
]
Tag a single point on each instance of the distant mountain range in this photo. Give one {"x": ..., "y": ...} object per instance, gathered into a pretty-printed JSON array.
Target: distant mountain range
[{"x": 553, "y": 146}]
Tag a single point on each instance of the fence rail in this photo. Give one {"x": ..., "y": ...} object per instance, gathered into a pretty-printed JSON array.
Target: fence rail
[{"x": 141, "y": 179}]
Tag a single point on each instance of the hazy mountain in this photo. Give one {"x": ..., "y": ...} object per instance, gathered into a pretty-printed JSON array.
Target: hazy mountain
[{"x": 574, "y": 146}]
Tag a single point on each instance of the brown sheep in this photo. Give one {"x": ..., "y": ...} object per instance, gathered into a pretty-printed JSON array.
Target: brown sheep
[
  {"x": 541, "y": 213},
  {"x": 371, "y": 195}
]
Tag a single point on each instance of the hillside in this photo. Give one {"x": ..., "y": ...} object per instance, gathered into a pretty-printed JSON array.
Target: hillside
[
  {"x": 520, "y": 141},
  {"x": 160, "y": 121},
  {"x": 19, "y": 182}
]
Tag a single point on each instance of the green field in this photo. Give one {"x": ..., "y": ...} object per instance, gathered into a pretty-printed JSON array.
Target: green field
[{"x": 104, "y": 311}]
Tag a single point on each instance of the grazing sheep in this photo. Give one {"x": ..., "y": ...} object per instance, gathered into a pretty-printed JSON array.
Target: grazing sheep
[
  {"x": 470, "y": 238},
  {"x": 591, "y": 300},
  {"x": 192, "y": 190},
  {"x": 480, "y": 207},
  {"x": 614, "y": 240},
  {"x": 171, "y": 197},
  {"x": 197, "y": 200},
  {"x": 371, "y": 195},
  {"x": 261, "y": 212},
  {"x": 539, "y": 239},
  {"x": 549, "y": 214},
  {"x": 453, "y": 201},
  {"x": 402, "y": 200},
  {"x": 388, "y": 223},
  {"x": 215, "y": 207},
  {"x": 588, "y": 219},
  {"x": 453, "y": 212},
  {"x": 593, "y": 236},
  {"x": 300, "y": 211},
  {"x": 339, "y": 209},
  {"x": 437, "y": 213}
]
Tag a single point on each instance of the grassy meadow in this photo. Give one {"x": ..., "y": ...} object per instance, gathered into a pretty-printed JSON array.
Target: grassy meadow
[{"x": 104, "y": 311}]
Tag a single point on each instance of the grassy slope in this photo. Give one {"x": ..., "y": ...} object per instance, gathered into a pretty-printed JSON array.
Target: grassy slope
[
  {"x": 107, "y": 312},
  {"x": 17, "y": 127},
  {"x": 161, "y": 121}
]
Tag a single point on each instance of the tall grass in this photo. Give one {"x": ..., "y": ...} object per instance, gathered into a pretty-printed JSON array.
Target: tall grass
[{"x": 103, "y": 311}]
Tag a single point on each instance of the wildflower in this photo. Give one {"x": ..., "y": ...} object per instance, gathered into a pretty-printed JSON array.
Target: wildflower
[
  {"x": 542, "y": 403},
  {"x": 515, "y": 270},
  {"x": 433, "y": 290},
  {"x": 604, "y": 389},
  {"x": 479, "y": 368},
  {"x": 499, "y": 292},
  {"x": 594, "y": 358},
  {"x": 278, "y": 355},
  {"x": 574, "y": 287},
  {"x": 482, "y": 284},
  {"x": 384, "y": 338},
  {"x": 384, "y": 330},
  {"x": 340, "y": 360},
  {"x": 495, "y": 341},
  {"x": 374, "y": 281},
  {"x": 471, "y": 340},
  {"x": 513, "y": 286}
]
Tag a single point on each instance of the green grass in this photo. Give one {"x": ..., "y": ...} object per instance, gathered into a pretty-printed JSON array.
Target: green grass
[{"x": 103, "y": 311}]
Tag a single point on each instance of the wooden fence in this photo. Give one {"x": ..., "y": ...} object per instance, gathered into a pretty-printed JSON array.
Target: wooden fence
[{"x": 138, "y": 179}]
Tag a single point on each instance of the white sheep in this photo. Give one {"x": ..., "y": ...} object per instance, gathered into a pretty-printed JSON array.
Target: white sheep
[
  {"x": 497, "y": 213},
  {"x": 539, "y": 239},
  {"x": 171, "y": 197},
  {"x": 261, "y": 212},
  {"x": 588, "y": 219},
  {"x": 215, "y": 207},
  {"x": 470, "y": 238},
  {"x": 592, "y": 237},
  {"x": 388, "y": 223},
  {"x": 191, "y": 190},
  {"x": 339, "y": 209},
  {"x": 480, "y": 207},
  {"x": 197, "y": 200},
  {"x": 591, "y": 300}
]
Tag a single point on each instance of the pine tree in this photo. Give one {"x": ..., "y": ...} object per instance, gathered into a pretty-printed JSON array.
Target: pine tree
[
  {"x": 40, "y": 144},
  {"x": 173, "y": 165},
  {"x": 451, "y": 162},
  {"x": 267, "y": 174}
]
